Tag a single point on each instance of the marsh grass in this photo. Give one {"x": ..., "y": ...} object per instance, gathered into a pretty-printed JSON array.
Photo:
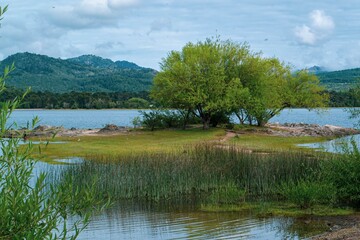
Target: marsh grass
[{"x": 196, "y": 172}]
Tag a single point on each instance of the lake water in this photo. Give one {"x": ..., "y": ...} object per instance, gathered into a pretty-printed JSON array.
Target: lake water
[
  {"x": 136, "y": 221},
  {"x": 99, "y": 118}
]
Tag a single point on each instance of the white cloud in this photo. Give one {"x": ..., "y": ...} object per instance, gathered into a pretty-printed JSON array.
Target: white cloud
[
  {"x": 89, "y": 13},
  {"x": 321, "y": 26},
  {"x": 305, "y": 35},
  {"x": 321, "y": 21}
]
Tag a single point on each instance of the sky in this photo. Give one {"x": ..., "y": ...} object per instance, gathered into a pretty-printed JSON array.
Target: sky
[{"x": 302, "y": 33}]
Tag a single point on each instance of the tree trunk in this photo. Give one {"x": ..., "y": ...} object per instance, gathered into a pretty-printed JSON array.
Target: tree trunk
[
  {"x": 261, "y": 123},
  {"x": 206, "y": 122}
]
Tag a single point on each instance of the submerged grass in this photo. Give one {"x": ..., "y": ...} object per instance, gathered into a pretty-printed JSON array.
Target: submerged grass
[
  {"x": 269, "y": 143},
  {"x": 265, "y": 209}
]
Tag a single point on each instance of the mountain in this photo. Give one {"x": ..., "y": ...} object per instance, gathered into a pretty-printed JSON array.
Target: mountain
[
  {"x": 316, "y": 69},
  {"x": 98, "y": 62},
  {"x": 87, "y": 73},
  {"x": 340, "y": 80}
]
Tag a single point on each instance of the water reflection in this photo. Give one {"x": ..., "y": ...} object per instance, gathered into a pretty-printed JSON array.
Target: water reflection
[
  {"x": 136, "y": 221},
  {"x": 334, "y": 146}
]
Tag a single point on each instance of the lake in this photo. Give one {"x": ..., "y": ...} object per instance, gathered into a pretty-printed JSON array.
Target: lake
[
  {"x": 132, "y": 220},
  {"x": 99, "y": 118}
]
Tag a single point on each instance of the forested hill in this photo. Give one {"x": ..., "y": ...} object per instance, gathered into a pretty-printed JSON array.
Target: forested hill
[
  {"x": 86, "y": 73},
  {"x": 340, "y": 80}
]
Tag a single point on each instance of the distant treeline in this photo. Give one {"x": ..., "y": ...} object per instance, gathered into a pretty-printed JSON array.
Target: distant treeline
[
  {"x": 350, "y": 98},
  {"x": 137, "y": 100},
  {"x": 82, "y": 100}
]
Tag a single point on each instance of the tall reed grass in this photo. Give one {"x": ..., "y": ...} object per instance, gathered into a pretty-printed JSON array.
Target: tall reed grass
[{"x": 195, "y": 172}]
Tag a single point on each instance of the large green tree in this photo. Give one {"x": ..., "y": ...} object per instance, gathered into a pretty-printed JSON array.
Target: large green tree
[
  {"x": 196, "y": 79},
  {"x": 215, "y": 77}
]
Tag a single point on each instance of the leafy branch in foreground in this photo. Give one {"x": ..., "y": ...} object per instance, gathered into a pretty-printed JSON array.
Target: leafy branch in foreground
[{"x": 29, "y": 207}]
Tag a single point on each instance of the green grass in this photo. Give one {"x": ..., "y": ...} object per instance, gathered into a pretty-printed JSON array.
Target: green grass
[
  {"x": 263, "y": 142},
  {"x": 130, "y": 143},
  {"x": 223, "y": 175},
  {"x": 137, "y": 142}
]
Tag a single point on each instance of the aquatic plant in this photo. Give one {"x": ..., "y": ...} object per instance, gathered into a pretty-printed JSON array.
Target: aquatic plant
[{"x": 196, "y": 172}]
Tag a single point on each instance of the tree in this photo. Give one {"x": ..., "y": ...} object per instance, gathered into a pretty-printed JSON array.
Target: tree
[
  {"x": 196, "y": 79},
  {"x": 355, "y": 112},
  {"x": 215, "y": 78},
  {"x": 272, "y": 87}
]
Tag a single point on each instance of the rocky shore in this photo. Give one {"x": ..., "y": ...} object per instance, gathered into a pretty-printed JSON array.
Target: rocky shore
[
  {"x": 312, "y": 130},
  {"x": 275, "y": 129},
  {"x": 49, "y": 131}
]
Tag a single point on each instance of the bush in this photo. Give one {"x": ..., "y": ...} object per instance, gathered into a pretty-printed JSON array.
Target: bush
[
  {"x": 152, "y": 119},
  {"x": 305, "y": 193},
  {"x": 166, "y": 119},
  {"x": 343, "y": 172}
]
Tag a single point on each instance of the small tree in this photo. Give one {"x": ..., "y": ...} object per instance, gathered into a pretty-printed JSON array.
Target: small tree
[{"x": 272, "y": 87}]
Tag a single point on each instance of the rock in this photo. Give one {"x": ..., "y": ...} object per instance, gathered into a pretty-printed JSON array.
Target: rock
[
  {"x": 43, "y": 128},
  {"x": 111, "y": 128},
  {"x": 315, "y": 130}
]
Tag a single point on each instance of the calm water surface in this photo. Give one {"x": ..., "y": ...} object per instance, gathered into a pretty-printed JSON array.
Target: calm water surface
[
  {"x": 133, "y": 221},
  {"x": 99, "y": 118},
  {"x": 136, "y": 221}
]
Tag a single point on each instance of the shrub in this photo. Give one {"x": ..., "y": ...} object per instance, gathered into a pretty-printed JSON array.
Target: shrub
[
  {"x": 166, "y": 119},
  {"x": 343, "y": 172},
  {"x": 305, "y": 193}
]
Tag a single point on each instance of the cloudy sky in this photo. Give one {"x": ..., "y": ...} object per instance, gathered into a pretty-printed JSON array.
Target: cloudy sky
[{"x": 302, "y": 33}]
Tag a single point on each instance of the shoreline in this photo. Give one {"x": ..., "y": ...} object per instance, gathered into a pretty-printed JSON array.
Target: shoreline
[{"x": 271, "y": 129}]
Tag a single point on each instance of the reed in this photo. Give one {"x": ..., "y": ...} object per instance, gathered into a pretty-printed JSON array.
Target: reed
[{"x": 196, "y": 172}]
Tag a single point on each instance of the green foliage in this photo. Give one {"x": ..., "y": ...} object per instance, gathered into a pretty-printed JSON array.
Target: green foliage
[
  {"x": 227, "y": 194},
  {"x": 215, "y": 78},
  {"x": 166, "y": 119},
  {"x": 84, "y": 100},
  {"x": 349, "y": 98},
  {"x": 343, "y": 172},
  {"x": 136, "y": 122},
  {"x": 272, "y": 88},
  {"x": 29, "y": 207},
  {"x": 306, "y": 193},
  {"x": 137, "y": 103},
  {"x": 152, "y": 119},
  {"x": 196, "y": 79},
  {"x": 43, "y": 73},
  {"x": 195, "y": 172},
  {"x": 340, "y": 80},
  {"x": 28, "y": 210}
]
